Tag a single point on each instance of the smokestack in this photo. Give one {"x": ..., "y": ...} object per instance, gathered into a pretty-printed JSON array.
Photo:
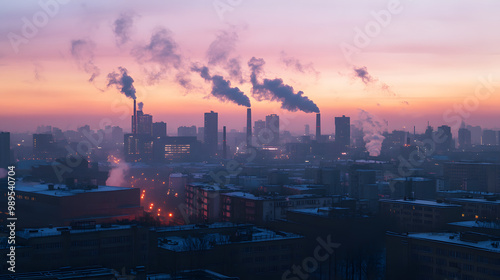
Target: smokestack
[
  {"x": 318, "y": 126},
  {"x": 224, "y": 146},
  {"x": 249, "y": 127},
  {"x": 134, "y": 119}
]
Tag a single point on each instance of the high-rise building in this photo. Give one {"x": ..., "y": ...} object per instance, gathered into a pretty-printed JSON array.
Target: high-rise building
[
  {"x": 159, "y": 129},
  {"x": 307, "y": 130},
  {"x": 4, "y": 149},
  {"x": 184, "y": 131},
  {"x": 258, "y": 130},
  {"x": 445, "y": 139},
  {"x": 42, "y": 145},
  {"x": 476, "y": 133},
  {"x": 144, "y": 123},
  {"x": 489, "y": 137},
  {"x": 273, "y": 125},
  {"x": 343, "y": 131},
  {"x": 464, "y": 138},
  {"x": 210, "y": 133}
]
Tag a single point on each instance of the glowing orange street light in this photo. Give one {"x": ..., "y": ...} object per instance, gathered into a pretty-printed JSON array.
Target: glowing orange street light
[{"x": 170, "y": 214}]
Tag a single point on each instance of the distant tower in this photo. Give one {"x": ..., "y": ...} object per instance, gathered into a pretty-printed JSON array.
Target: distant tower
[
  {"x": 273, "y": 125},
  {"x": 307, "y": 132},
  {"x": 258, "y": 130},
  {"x": 224, "y": 144},
  {"x": 464, "y": 138},
  {"x": 444, "y": 133},
  {"x": 343, "y": 131},
  {"x": 210, "y": 132},
  {"x": 318, "y": 127},
  {"x": 249, "y": 127}
]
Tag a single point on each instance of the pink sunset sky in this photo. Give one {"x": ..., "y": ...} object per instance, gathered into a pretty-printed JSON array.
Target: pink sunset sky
[{"x": 425, "y": 61}]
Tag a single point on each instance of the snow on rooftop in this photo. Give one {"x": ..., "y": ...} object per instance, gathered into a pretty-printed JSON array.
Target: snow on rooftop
[
  {"x": 41, "y": 232},
  {"x": 477, "y": 200},
  {"x": 211, "y": 240},
  {"x": 454, "y": 238},
  {"x": 61, "y": 189},
  {"x": 421, "y": 202},
  {"x": 410, "y": 179}
]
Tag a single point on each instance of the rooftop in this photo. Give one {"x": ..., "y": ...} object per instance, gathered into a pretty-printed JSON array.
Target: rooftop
[
  {"x": 454, "y": 238},
  {"x": 420, "y": 202},
  {"x": 210, "y": 240},
  {"x": 71, "y": 273},
  {"x": 478, "y": 224},
  {"x": 61, "y": 189},
  {"x": 270, "y": 197},
  {"x": 42, "y": 232},
  {"x": 412, "y": 179},
  {"x": 475, "y": 200}
]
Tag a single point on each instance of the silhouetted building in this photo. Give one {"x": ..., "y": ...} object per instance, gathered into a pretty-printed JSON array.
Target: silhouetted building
[
  {"x": 489, "y": 137},
  {"x": 43, "y": 146},
  {"x": 413, "y": 187},
  {"x": 259, "y": 130},
  {"x": 464, "y": 255},
  {"x": 249, "y": 127},
  {"x": 472, "y": 176},
  {"x": 61, "y": 204},
  {"x": 360, "y": 181},
  {"x": 144, "y": 123},
  {"x": 445, "y": 139},
  {"x": 159, "y": 129},
  {"x": 185, "y": 148},
  {"x": 138, "y": 147},
  {"x": 273, "y": 126},
  {"x": 242, "y": 250},
  {"x": 479, "y": 208},
  {"x": 4, "y": 149},
  {"x": 343, "y": 131},
  {"x": 241, "y": 207},
  {"x": 82, "y": 244},
  {"x": 185, "y": 131},
  {"x": 464, "y": 138},
  {"x": 419, "y": 215},
  {"x": 476, "y": 134},
  {"x": 211, "y": 133}
]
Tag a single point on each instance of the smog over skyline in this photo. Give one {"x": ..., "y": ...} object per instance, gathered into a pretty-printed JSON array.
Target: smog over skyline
[
  {"x": 417, "y": 73},
  {"x": 243, "y": 140}
]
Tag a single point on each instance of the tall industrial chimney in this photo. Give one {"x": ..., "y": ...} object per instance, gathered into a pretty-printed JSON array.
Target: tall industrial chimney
[
  {"x": 318, "y": 126},
  {"x": 249, "y": 127},
  {"x": 134, "y": 119},
  {"x": 224, "y": 143}
]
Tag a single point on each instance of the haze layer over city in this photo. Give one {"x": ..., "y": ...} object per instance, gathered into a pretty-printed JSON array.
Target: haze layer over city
[{"x": 233, "y": 139}]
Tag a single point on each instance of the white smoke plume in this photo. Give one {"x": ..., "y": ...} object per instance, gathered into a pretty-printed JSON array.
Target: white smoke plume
[
  {"x": 117, "y": 173},
  {"x": 373, "y": 130}
]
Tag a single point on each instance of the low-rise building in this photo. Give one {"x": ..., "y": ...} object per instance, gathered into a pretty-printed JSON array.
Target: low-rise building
[
  {"x": 419, "y": 215},
  {"x": 41, "y": 205},
  {"x": 442, "y": 256}
]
